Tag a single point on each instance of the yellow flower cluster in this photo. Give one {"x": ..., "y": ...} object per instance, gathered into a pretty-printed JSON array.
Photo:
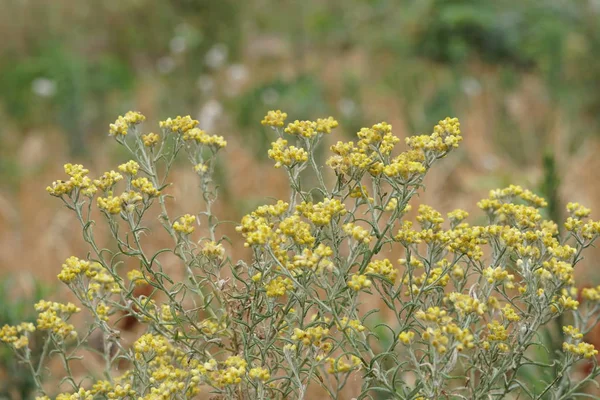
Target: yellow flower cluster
[
  {"x": 513, "y": 192},
  {"x": 150, "y": 139},
  {"x": 392, "y": 204},
  {"x": 274, "y": 118},
  {"x": 72, "y": 267},
  {"x": 210, "y": 328},
  {"x": 136, "y": 277},
  {"x": 446, "y": 135},
  {"x": 499, "y": 275},
  {"x": 297, "y": 230},
  {"x": 311, "y": 336},
  {"x": 124, "y": 123},
  {"x": 81, "y": 394},
  {"x": 316, "y": 260},
  {"x": 110, "y": 204},
  {"x": 262, "y": 374},
  {"x": 429, "y": 218},
  {"x": 379, "y": 137},
  {"x": 384, "y": 268},
  {"x": 213, "y": 250},
  {"x": 321, "y": 213},
  {"x": 371, "y": 154},
  {"x": 357, "y": 232},
  {"x": 145, "y": 186},
  {"x": 278, "y": 287},
  {"x": 591, "y": 294},
  {"x": 358, "y": 282},
  {"x": 406, "y": 235},
  {"x": 572, "y": 332},
  {"x": 347, "y": 324},
  {"x": 52, "y": 316},
  {"x": 458, "y": 215},
  {"x": 582, "y": 349},
  {"x": 131, "y": 167},
  {"x": 185, "y": 224},
  {"x": 406, "y": 337},
  {"x": 406, "y": 166},
  {"x": 466, "y": 304},
  {"x": 310, "y": 129},
  {"x": 338, "y": 365},
  {"x": 78, "y": 179},
  {"x": 201, "y": 137},
  {"x": 17, "y": 336},
  {"x": 510, "y": 314},
  {"x": 179, "y": 124},
  {"x": 285, "y": 155},
  {"x": 497, "y": 331},
  {"x": 567, "y": 302},
  {"x": 108, "y": 180},
  {"x": 434, "y": 314},
  {"x": 257, "y": 230},
  {"x": 100, "y": 280},
  {"x": 232, "y": 374}
]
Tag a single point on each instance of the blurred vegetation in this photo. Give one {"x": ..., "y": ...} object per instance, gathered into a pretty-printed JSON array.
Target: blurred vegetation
[{"x": 75, "y": 65}]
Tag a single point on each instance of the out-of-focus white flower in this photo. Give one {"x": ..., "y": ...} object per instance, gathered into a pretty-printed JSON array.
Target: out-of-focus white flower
[{"x": 43, "y": 87}]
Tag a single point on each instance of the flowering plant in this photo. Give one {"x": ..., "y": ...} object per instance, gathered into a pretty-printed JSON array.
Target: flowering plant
[{"x": 462, "y": 314}]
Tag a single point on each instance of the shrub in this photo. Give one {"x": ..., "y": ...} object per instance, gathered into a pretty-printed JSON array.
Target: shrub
[{"x": 463, "y": 310}]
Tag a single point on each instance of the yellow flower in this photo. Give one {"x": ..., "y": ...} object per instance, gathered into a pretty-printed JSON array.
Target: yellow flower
[
  {"x": 124, "y": 123},
  {"x": 213, "y": 250},
  {"x": 110, "y": 204},
  {"x": 583, "y": 349},
  {"x": 359, "y": 282},
  {"x": 108, "y": 180},
  {"x": 406, "y": 337},
  {"x": 307, "y": 129},
  {"x": 130, "y": 167},
  {"x": 185, "y": 224},
  {"x": 322, "y": 213},
  {"x": 262, "y": 374},
  {"x": 278, "y": 287},
  {"x": 179, "y": 125},
  {"x": 275, "y": 119},
  {"x": 286, "y": 155},
  {"x": 72, "y": 267},
  {"x": 382, "y": 267},
  {"x": 359, "y": 233},
  {"x": 145, "y": 186},
  {"x": 150, "y": 139}
]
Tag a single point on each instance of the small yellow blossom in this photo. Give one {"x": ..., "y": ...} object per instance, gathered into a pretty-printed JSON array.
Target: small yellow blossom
[
  {"x": 131, "y": 167},
  {"x": 108, "y": 180},
  {"x": 72, "y": 267},
  {"x": 145, "y": 186},
  {"x": 110, "y": 204},
  {"x": 274, "y": 118},
  {"x": 179, "y": 125},
  {"x": 583, "y": 349},
  {"x": 124, "y": 123},
  {"x": 384, "y": 268},
  {"x": 213, "y": 250},
  {"x": 278, "y": 287},
  {"x": 406, "y": 337},
  {"x": 262, "y": 374},
  {"x": 359, "y": 282},
  {"x": 185, "y": 224},
  {"x": 359, "y": 233},
  {"x": 285, "y": 155},
  {"x": 150, "y": 139}
]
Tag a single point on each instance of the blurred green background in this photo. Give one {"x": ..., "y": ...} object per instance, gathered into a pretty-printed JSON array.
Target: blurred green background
[{"x": 522, "y": 75}]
